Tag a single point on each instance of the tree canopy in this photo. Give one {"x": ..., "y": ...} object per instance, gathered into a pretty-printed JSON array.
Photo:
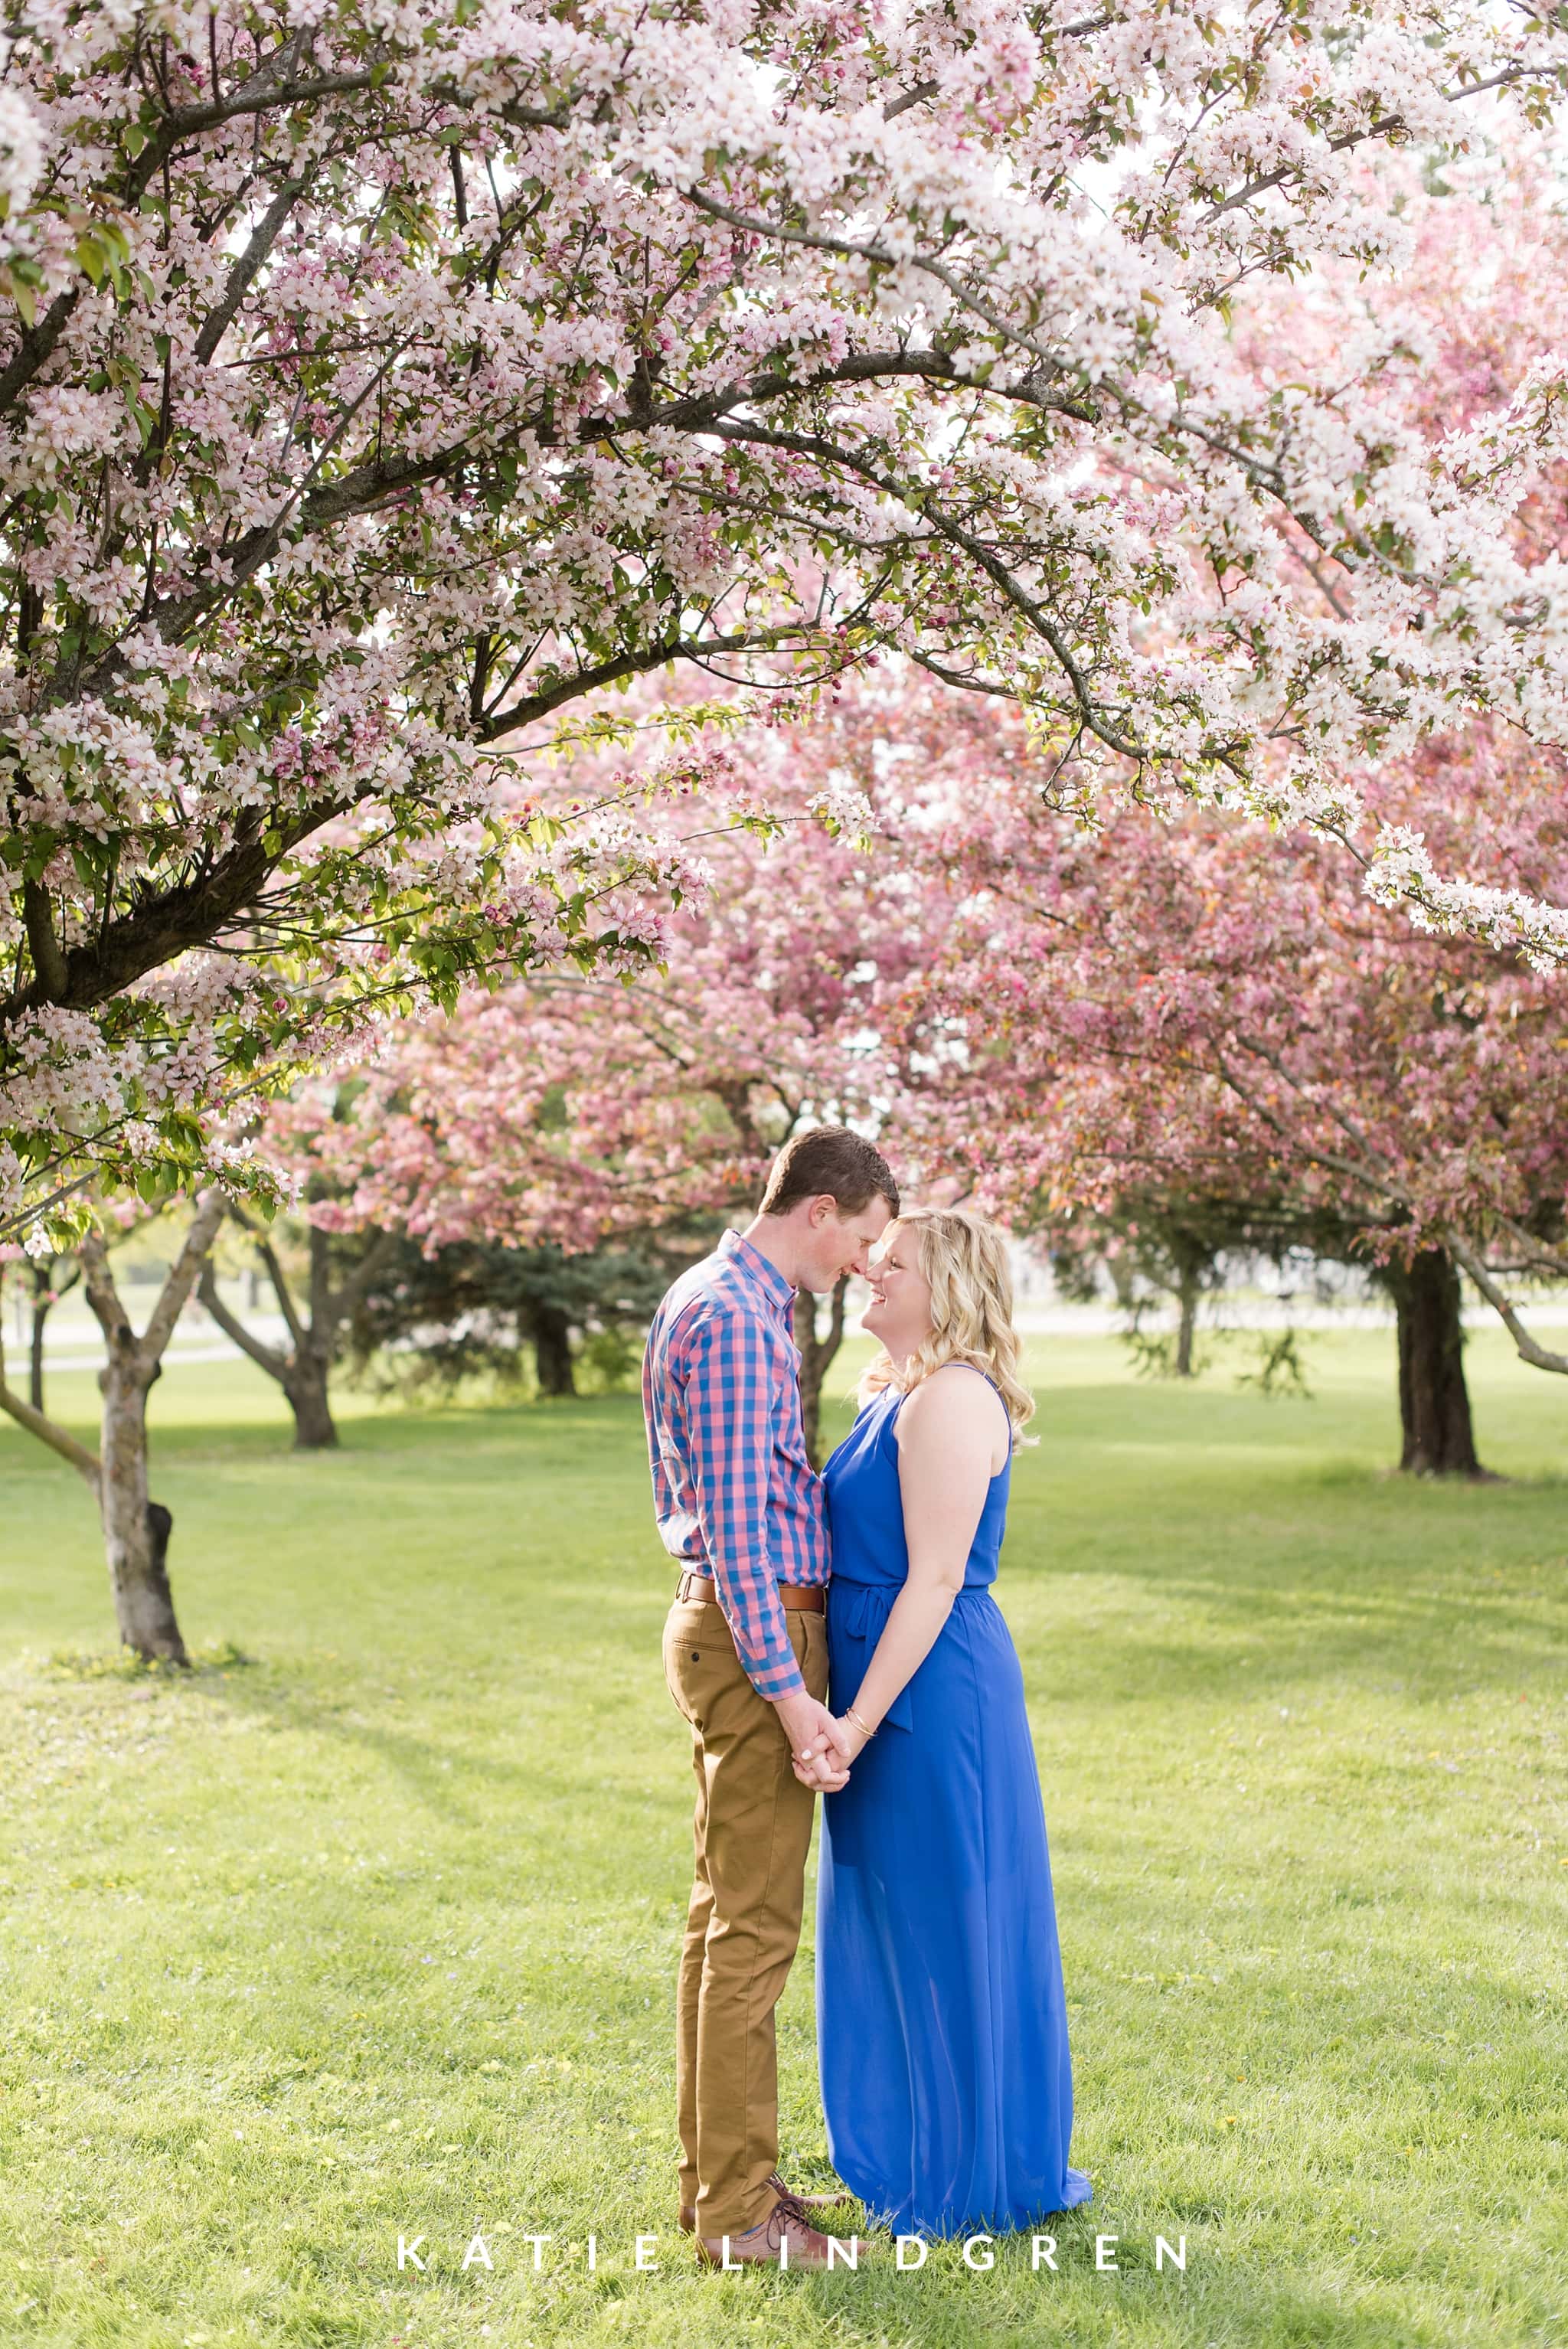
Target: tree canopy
[{"x": 379, "y": 383}]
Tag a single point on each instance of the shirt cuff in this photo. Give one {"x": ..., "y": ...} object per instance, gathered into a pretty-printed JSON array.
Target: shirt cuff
[{"x": 781, "y": 1679}]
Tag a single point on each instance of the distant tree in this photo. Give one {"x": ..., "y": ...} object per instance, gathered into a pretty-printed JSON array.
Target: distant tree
[
  {"x": 1189, "y": 1008},
  {"x": 1155, "y": 1253},
  {"x": 316, "y": 1314},
  {"x": 479, "y": 1310},
  {"x": 46, "y": 1278}
]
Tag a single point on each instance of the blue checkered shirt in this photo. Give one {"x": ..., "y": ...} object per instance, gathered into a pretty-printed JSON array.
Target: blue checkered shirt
[{"x": 734, "y": 1492}]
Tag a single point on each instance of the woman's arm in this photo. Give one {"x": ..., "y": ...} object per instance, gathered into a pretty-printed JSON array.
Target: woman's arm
[{"x": 948, "y": 1435}]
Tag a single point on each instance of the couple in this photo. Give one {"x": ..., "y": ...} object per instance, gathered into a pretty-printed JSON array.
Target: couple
[{"x": 942, "y": 2032}]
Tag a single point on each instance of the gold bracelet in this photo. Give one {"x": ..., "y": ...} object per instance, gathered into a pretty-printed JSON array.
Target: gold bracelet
[{"x": 851, "y": 1714}]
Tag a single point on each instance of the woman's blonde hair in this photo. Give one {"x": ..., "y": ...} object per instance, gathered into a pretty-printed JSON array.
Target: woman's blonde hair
[{"x": 962, "y": 1260}]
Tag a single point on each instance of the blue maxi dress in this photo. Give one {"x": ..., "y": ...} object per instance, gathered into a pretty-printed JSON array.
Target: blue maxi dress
[{"x": 941, "y": 2018}]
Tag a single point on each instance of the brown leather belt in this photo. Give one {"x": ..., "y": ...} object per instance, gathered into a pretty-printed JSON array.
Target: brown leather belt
[{"x": 801, "y": 1598}]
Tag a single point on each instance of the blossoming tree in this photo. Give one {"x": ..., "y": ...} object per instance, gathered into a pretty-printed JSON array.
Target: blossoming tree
[
  {"x": 579, "y": 1111},
  {"x": 1194, "y": 1014},
  {"x": 1191, "y": 1015},
  {"x": 377, "y": 383}
]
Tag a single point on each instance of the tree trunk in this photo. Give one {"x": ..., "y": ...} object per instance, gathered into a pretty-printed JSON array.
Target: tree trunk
[
  {"x": 1186, "y": 1326},
  {"x": 41, "y": 1305},
  {"x": 304, "y": 1383},
  {"x": 815, "y": 1355},
  {"x": 552, "y": 1335},
  {"x": 136, "y": 1529},
  {"x": 1434, "y": 1402},
  {"x": 303, "y": 1368}
]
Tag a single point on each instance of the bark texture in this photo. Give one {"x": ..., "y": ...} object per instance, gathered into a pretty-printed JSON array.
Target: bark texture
[
  {"x": 315, "y": 1430},
  {"x": 1439, "y": 1439},
  {"x": 136, "y": 1527}
]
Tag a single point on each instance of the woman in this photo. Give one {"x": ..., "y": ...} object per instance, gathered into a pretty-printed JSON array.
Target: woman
[{"x": 941, "y": 2022}]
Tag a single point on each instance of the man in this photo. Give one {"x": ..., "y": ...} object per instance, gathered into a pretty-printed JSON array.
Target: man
[{"x": 745, "y": 1656}]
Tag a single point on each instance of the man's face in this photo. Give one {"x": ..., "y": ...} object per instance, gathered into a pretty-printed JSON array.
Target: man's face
[{"x": 838, "y": 1243}]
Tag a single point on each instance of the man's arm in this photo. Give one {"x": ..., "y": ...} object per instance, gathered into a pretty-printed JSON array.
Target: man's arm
[
  {"x": 729, "y": 1432},
  {"x": 651, "y": 1423},
  {"x": 729, "y": 1436}
]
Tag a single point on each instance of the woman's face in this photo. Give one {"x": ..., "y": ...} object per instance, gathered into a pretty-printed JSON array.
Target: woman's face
[{"x": 899, "y": 1310}]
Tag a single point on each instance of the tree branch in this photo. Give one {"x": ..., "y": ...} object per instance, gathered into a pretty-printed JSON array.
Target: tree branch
[
  {"x": 881, "y": 257},
  {"x": 234, "y": 1329},
  {"x": 49, "y": 968},
  {"x": 1095, "y": 717},
  {"x": 1530, "y": 1350},
  {"x": 241, "y": 277},
  {"x": 211, "y": 1207},
  {"x": 632, "y": 664},
  {"x": 85, "y": 1463},
  {"x": 1383, "y": 127},
  {"x": 102, "y": 1294},
  {"x": 344, "y": 1298},
  {"x": 163, "y": 925},
  {"x": 256, "y": 96}
]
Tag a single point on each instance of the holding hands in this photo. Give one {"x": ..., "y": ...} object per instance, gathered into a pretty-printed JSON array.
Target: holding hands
[
  {"x": 824, "y": 1761},
  {"x": 819, "y": 1750}
]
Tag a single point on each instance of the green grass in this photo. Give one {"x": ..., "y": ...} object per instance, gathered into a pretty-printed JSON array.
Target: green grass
[{"x": 376, "y": 1931}]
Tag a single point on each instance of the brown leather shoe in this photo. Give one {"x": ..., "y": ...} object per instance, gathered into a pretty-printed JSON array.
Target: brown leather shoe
[
  {"x": 781, "y": 2239},
  {"x": 799, "y": 2202}
]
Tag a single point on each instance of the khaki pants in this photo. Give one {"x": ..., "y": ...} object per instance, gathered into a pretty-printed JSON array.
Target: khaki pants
[{"x": 751, "y": 1830}]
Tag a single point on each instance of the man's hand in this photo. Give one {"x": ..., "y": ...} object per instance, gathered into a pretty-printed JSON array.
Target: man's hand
[
  {"x": 819, "y": 1746},
  {"x": 838, "y": 1745}
]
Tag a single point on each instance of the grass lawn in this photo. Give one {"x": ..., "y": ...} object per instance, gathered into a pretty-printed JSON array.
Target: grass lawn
[{"x": 376, "y": 1932}]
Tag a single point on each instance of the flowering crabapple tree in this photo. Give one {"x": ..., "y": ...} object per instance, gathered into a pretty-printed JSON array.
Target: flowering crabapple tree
[
  {"x": 582, "y": 1113},
  {"x": 1478, "y": 300},
  {"x": 1191, "y": 1015},
  {"x": 377, "y": 382}
]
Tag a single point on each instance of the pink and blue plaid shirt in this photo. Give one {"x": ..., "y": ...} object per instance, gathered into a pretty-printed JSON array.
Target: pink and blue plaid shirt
[{"x": 734, "y": 1492}]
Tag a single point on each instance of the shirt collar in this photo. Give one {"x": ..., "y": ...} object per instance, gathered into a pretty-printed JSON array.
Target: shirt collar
[{"x": 755, "y": 1265}]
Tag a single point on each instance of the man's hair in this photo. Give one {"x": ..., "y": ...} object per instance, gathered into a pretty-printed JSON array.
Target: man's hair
[{"x": 831, "y": 1159}]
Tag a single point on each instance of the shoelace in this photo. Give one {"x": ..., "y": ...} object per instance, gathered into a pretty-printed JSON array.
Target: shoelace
[
  {"x": 791, "y": 2202},
  {"x": 787, "y": 2201}
]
